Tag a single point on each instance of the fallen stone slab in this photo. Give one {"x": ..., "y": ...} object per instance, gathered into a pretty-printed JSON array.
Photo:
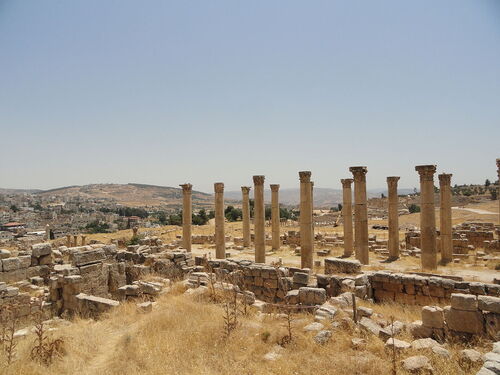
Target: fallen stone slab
[
  {"x": 418, "y": 364},
  {"x": 88, "y": 257}
]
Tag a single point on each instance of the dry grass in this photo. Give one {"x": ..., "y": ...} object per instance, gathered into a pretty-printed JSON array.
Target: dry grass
[{"x": 185, "y": 336}]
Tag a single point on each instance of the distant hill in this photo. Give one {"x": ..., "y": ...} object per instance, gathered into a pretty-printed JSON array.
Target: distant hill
[
  {"x": 323, "y": 197},
  {"x": 19, "y": 191},
  {"x": 132, "y": 195}
]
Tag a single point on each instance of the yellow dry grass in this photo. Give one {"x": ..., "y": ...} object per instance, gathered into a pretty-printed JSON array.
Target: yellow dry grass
[{"x": 185, "y": 336}]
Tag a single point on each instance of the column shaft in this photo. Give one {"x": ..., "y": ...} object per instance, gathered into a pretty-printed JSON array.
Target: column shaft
[
  {"x": 347, "y": 216},
  {"x": 427, "y": 217},
  {"x": 186, "y": 215},
  {"x": 360, "y": 214},
  {"x": 220, "y": 240},
  {"x": 259, "y": 219},
  {"x": 498, "y": 192},
  {"x": 245, "y": 190},
  {"x": 445, "y": 224},
  {"x": 306, "y": 235},
  {"x": 393, "y": 244},
  {"x": 275, "y": 217}
]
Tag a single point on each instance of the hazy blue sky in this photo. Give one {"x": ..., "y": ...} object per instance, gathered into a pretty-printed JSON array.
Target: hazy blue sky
[{"x": 164, "y": 92}]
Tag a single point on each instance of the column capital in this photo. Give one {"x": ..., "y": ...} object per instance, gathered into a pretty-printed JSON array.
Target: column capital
[
  {"x": 305, "y": 176},
  {"x": 426, "y": 172},
  {"x": 219, "y": 187},
  {"x": 186, "y": 188},
  {"x": 346, "y": 182},
  {"x": 358, "y": 172},
  {"x": 245, "y": 189},
  {"x": 393, "y": 180},
  {"x": 258, "y": 180},
  {"x": 275, "y": 187},
  {"x": 444, "y": 178}
]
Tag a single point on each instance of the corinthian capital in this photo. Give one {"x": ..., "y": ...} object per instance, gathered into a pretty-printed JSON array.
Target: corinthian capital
[
  {"x": 305, "y": 176},
  {"x": 258, "y": 180},
  {"x": 426, "y": 172}
]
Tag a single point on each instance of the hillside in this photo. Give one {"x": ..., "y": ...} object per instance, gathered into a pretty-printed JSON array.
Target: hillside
[
  {"x": 132, "y": 195},
  {"x": 323, "y": 197}
]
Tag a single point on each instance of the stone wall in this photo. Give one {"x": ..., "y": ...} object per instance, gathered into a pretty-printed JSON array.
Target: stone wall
[
  {"x": 28, "y": 264},
  {"x": 467, "y": 316},
  {"x": 421, "y": 290}
]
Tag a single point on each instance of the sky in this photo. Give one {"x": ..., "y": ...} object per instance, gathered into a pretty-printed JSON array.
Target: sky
[{"x": 167, "y": 92}]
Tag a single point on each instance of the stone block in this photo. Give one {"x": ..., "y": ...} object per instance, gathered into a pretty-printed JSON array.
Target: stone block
[
  {"x": 45, "y": 260},
  {"x": 93, "y": 306},
  {"x": 4, "y": 254},
  {"x": 432, "y": 316},
  {"x": 312, "y": 296},
  {"x": 25, "y": 261},
  {"x": 487, "y": 303},
  {"x": 41, "y": 249},
  {"x": 467, "y": 302},
  {"x": 336, "y": 265},
  {"x": 384, "y": 295},
  {"x": 270, "y": 283},
  {"x": 300, "y": 278},
  {"x": 88, "y": 257},
  {"x": 464, "y": 321},
  {"x": 11, "y": 264}
]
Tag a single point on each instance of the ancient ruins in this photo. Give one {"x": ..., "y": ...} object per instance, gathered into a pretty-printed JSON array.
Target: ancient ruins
[{"x": 86, "y": 277}]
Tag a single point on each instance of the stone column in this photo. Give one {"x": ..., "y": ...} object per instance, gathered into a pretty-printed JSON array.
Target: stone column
[
  {"x": 498, "y": 193},
  {"x": 360, "y": 214},
  {"x": 68, "y": 240},
  {"x": 47, "y": 232},
  {"x": 220, "y": 239},
  {"x": 259, "y": 219},
  {"x": 186, "y": 215},
  {"x": 393, "y": 244},
  {"x": 347, "y": 216},
  {"x": 84, "y": 240},
  {"x": 312, "y": 214},
  {"x": 75, "y": 240},
  {"x": 245, "y": 190},
  {"x": 306, "y": 236},
  {"x": 427, "y": 217},
  {"x": 275, "y": 216},
  {"x": 445, "y": 224}
]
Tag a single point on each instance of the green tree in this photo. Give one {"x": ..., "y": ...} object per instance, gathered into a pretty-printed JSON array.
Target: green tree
[
  {"x": 487, "y": 183},
  {"x": 493, "y": 193},
  {"x": 97, "y": 226},
  {"x": 162, "y": 218},
  {"x": 413, "y": 208},
  {"x": 14, "y": 208}
]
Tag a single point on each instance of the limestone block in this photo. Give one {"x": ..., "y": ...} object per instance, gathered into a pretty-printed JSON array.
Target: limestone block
[
  {"x": 312, "y": 296},
  {"x": 93, "y": 306},
  {"x": 292, "y": 297},
  {"x": 418, "y": 364},
  {"x": 487, "y": 303},
  {"x": 432, "y": 316},
  {"x": 25, "y": 261},
  {"x": 370, "y": 326},
  {"x": 11, "y": 264},
  {"x": 466, "y": 302},
  {"x": 87, "y": 257},
  {"x": 336, "y": 265},
  {"x": 4, "y": 254},
  {"x": 45, "y": 260},
  {"x": 13, "y": 276},
  {"x": 300, "y": 278},
  {"x": 398, "y": 345},
  {"x": 418, "y": 330},
  {"x": 464, "y": 321},
  {"x": 41, "y": 249}
]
